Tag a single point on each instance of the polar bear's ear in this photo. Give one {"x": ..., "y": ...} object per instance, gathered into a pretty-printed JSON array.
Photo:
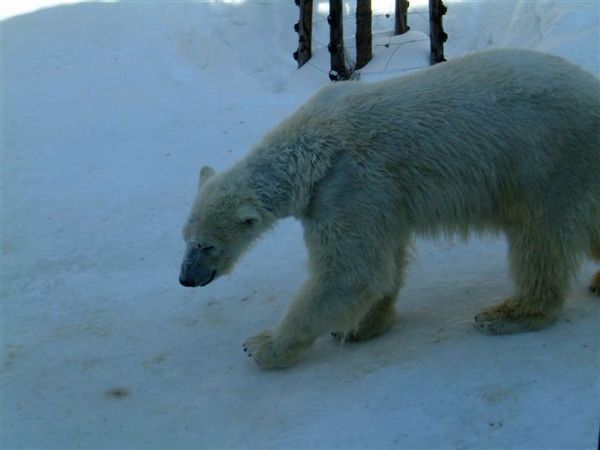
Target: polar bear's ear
[
  {"x": 248, "y": 215},
  {"x": 205, "y": 173}
]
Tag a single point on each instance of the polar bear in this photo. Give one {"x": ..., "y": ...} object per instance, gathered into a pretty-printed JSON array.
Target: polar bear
[{"x": 502, "y": 140}]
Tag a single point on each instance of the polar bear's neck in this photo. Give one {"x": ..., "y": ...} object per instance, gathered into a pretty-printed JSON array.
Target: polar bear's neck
[{"x": 283, "y": 170}]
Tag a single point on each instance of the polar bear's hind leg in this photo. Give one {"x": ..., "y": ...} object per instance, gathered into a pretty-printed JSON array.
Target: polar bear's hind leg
[{"x": 542, "y": 260}]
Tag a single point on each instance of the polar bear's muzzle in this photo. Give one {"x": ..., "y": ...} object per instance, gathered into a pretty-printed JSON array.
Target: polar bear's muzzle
[{"x": 194, "y": 270}]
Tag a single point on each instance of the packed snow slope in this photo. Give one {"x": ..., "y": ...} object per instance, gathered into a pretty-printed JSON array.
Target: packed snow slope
[{"x": 108, "y": 112}]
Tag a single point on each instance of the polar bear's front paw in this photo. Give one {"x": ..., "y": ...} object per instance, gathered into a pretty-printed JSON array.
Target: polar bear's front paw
[{"x": 265, "y": 350}]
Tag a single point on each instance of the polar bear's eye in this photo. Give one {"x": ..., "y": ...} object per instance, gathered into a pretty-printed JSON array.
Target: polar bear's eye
[{"x": 207, "y": 250}]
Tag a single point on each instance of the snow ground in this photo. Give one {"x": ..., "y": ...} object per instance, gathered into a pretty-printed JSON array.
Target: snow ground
[{"x": 108, "y": 111}]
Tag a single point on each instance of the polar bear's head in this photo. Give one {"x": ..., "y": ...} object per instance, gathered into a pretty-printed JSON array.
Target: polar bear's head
[{"x": 225, "y": 218}]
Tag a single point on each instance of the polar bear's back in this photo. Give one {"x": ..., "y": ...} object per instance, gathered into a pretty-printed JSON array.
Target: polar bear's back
[
  {"x": 473, "y": 81},
  {"x": 494, "y": 128}
]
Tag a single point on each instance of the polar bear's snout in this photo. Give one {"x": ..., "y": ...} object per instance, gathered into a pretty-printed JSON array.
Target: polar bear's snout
[{"x": 195, "y": 270}]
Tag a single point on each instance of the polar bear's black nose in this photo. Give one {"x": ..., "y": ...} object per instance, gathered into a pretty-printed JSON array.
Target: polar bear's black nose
[{"x": 187, "y": 283}]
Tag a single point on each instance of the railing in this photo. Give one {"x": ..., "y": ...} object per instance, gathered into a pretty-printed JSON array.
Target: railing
[{"x": 340, "y": 68}]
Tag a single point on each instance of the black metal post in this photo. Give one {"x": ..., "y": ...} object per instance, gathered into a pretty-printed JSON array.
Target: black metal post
[
  {"x": 364, "y": 36},
  {"x": 437, "y": 36},
  {"x": 339, "y": 68},
  {"x": 304, "y": 30},
  {"x": 401, "y": 26}
]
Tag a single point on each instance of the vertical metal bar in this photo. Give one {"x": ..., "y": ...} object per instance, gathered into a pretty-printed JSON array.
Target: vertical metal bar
[
  {"x": 401, "y": 17},
  {"x": 339, "y": 68},
  {"x": 364, "y": 38},
  {"x": 437, "y": 36},
  {"x": 304, "y": 30}
]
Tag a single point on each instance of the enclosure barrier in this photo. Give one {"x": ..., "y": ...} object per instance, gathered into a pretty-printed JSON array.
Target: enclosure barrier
[{"x": 340, "y": 67}]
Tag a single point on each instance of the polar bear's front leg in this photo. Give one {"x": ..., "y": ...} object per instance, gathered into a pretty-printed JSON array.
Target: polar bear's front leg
[{"x": 318, "y": 308}]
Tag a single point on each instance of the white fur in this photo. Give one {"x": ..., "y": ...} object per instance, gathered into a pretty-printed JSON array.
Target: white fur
[{"x": 503, "y": 140}]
